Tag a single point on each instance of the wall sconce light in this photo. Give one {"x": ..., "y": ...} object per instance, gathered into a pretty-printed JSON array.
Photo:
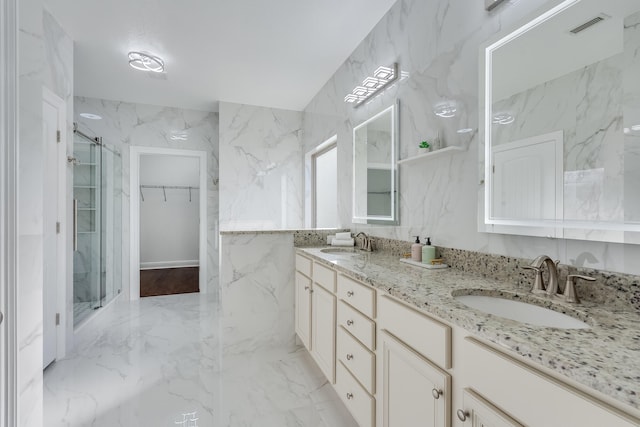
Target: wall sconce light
[
  {"x": 382, "y": 77},
  {"x": 489, "y": 5}
]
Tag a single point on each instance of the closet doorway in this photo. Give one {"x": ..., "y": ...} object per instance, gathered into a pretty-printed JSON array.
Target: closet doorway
[{"x": 169, "y": 212}]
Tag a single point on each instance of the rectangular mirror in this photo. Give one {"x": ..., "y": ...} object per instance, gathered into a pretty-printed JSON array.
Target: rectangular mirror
[
  {"x": 375, "y": 176},
  {"x": 560, "y": 110}
]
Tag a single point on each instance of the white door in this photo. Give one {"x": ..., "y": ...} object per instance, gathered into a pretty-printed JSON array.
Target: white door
[
  {"x": 50, "y": 129},
  {"x": 414, "y": 391}
]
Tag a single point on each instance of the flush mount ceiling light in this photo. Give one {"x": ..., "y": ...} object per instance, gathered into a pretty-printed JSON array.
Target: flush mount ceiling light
[
  {"x": 503, "y": 119},
  {"x": 372, "y": 85},
  {"x": 90, "y": 116},
  {"x": 146, "y": 62},
  {"x": 445, "y": 109}
]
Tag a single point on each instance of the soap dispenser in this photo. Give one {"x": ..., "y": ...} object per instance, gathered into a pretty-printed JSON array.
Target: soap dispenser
[
  {"x": 416, "y": 250},
  {"x": 428, "y": 252}
]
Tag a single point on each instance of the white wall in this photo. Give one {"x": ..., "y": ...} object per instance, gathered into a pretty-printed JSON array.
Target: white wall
[
  {"x": 437, "y": 44},
  {"x": 169, "y": 229},
  {"x": 261, "y": 183},
  {"x": 125, "y": 124}
]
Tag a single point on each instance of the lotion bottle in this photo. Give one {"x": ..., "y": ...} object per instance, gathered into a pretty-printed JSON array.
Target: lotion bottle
[
  {"x": 428, "y": 252},
  {"x": 416, "y": 250}
]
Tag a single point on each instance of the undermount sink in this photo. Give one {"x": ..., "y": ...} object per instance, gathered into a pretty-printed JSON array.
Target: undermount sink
[{"x": 521, "y": 312}]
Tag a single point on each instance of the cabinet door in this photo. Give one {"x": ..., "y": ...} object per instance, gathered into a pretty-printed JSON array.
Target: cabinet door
[
  {"x": 323, "y": 330},
  {"x": 303, "y": 309},
  {"x": 478, "y": 412},
  {"x": 414, "y": 390}
]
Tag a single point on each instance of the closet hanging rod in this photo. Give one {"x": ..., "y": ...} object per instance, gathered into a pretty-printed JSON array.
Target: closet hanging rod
[{"x": 171, "y": 187}]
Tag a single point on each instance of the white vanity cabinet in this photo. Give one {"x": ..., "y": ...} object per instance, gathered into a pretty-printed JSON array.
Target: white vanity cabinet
[
  {"x": 413, "y": 386},
  {"x": 478, "y": 412},
  {"x": 528, "y": 394},
  {"x": 303, "y": 300},
  {"x": 315, "y": 312}
]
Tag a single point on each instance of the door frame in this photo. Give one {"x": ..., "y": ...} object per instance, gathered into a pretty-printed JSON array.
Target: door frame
[
  {"x": 61, "y": 241},
  {"x": 134, "y": 217},
  {"x": 8, "y": 212}
]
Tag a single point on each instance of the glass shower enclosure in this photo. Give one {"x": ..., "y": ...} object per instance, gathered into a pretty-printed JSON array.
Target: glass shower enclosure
[{"x": 97, "y": 234}]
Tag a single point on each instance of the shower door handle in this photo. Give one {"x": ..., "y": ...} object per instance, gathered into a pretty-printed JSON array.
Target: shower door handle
[{"x": 75, "y": 225}]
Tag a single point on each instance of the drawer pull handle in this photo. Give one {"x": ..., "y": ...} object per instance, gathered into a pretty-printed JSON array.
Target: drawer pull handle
[
  {"x": 462, "y": 415},
  {"x": 436, "y": 393},
  {"x": 350, "y": 293},
  {"x": 349, "y": 396},
  {"x": 349, "y": 356},
  {"x": 349, "y": 322}
]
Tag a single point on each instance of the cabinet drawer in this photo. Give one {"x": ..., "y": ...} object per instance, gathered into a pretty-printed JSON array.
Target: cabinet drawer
[
  {"x": 361, "y": 405},
  {"x": 425, "y": 335},
  {"x": 303, "y": 265},
  {"x": 359, "y": 325},
  {"x": 358, "y": 295},
  {"x": 324, "y": 277},
  {"x": 357, "y": 358}
]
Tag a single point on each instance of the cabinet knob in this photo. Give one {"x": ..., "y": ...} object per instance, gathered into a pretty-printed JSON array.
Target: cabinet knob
[
  {"x": 306, "y": 288},
  {"x": 349, "y": 322},
  {"x": 349, "y": 396},
  {"x": 462, "y": 415},
  {"x": 350, "y": 293},
  {"x": 436, "y": 393},
  {"x": 349, "y": 356}
]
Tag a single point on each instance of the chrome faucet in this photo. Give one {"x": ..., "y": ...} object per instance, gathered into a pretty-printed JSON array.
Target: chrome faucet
[
  {"x": 367, "y": 242},
  {"x": 538, "y": 286}
]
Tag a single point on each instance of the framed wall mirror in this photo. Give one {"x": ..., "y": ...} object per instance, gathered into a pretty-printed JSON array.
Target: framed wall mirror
[
  {"x": 560, "y": 115},
  {"x": 375, "y": 174}
]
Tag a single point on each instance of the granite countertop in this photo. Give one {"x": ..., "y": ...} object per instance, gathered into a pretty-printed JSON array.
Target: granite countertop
[
  {"x": 280, "y": 231},
  {"x": 605, "y": 357}
]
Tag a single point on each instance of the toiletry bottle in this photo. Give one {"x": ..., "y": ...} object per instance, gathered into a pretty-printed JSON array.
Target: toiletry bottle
[
  {"x": 416, "y": 250},
  {"x": 428, "y": 252}
]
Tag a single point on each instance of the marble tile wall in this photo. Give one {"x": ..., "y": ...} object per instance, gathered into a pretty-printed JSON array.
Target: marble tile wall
[
  {"x": 256, "y": 291},
  {"x": 126, "y": 124},
  {"x": 437, "y": 44},
  {"x": 45, "y": 59},
  {"x": 31, "y": 65},
  {"x": 261, "y": 181}
]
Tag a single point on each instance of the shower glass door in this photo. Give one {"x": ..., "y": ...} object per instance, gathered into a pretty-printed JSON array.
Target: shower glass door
[
  {"x": 97, "y": 256},
  {"x": 87, "y": 201}
]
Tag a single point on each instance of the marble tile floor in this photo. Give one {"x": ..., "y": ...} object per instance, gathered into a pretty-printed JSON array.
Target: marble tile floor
[{"x": 158, "y": 362}]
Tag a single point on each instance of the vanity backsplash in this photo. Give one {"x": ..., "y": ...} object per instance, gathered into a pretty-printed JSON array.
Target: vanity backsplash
[{"x": 618, "y": 291}]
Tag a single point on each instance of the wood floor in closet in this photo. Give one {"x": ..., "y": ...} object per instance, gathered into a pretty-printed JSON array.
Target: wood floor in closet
[{"x": 168, "y": 281}]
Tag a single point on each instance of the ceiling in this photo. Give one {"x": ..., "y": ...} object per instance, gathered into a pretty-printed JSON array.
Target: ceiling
[{"x": 275, "y": 53}]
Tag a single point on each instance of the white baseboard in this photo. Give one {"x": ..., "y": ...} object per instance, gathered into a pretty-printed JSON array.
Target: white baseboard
[{"x": 168, "y": 264}]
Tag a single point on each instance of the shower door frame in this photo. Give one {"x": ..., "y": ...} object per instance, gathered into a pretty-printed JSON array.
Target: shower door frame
[{"x": 134, "y": 217}]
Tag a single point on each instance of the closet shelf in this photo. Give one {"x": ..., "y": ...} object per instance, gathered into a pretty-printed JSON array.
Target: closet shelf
[{"x": 432, "y": 154}]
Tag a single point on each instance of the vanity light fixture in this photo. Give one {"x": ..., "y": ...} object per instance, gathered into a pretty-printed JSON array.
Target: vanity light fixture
[
  {"x": 372, "y": 85},
  {"x": 503, "y": 119},
  {"x": 626, "y": 131},
  {"x": 635, "y": 128},
  {"x": 90, "y": 116},
  {"x": 445, "y": 110},
  {"x": 146, "y": 62},
  {"x": 179, "y": 136}
]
